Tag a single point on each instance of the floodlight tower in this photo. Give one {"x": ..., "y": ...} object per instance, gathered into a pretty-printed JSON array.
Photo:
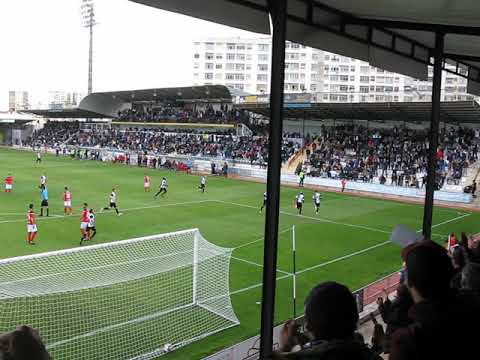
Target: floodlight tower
[{"x": 88, "y": 21}]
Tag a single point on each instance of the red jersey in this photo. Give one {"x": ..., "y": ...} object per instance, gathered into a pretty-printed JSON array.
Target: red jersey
[
  {"x": 67, "y": 196},
  {"x": 9, "y": 180},
  {"x": 31, "y": 217},
  {"x": 85, "y": 215},
  {"x": 146, "y": 179}
]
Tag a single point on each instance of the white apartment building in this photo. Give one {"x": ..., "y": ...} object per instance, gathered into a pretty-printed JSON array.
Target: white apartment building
[
  {"x": 244, "y": 64},
  {"x": 18, "y": 101}
]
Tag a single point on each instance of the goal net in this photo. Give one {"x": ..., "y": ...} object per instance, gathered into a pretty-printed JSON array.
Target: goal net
[{"x": 131, "y": 299}]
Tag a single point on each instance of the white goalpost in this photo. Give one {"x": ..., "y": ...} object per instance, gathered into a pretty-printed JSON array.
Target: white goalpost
[{"x": 131, "y": 299}]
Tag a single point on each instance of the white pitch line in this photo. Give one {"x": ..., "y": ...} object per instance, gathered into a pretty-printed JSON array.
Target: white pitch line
[
  {"x": 314, "y": 218},
  {"x": 259, "y": 265},
  {"x": 56, "y": 217},
  {"x": 339, "y": 258},
  {"x": 261, "y": 238}
]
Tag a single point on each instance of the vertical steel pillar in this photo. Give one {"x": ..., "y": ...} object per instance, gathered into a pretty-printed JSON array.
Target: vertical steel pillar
[
  {"x": 277, "y": 9},
  {"x": 433, "y": 136}
]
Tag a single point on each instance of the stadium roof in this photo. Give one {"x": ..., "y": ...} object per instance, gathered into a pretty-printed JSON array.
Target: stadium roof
[
  {"x": 74, "y": 113},
  {"x": 395, "y": 35},
  {"x": 107, "y": 104},
  {"x": 450, "y": 111}
]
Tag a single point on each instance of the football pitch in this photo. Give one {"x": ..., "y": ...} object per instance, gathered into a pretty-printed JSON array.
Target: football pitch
[{"x": 346, "y": 242}]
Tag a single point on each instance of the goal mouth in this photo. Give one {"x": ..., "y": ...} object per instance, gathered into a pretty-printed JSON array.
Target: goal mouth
[{"x": 131, "y": 299}]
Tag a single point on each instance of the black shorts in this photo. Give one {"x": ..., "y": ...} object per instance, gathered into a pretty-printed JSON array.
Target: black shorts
[
  {"x": 317, "y": 204},
  {"x": 265, "y": 202},
  {"x": 90, "y": 228},
  {"x": 113, "y": 205},
  {"x": 202, "y": 186},
  {"x": 299, "y": 205},
  {"x": 44, "y": 203}
]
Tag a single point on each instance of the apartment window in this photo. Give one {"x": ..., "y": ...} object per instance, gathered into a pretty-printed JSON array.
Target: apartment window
[
  {"x": 263, "y": 47},
  {"x": 239, "y": 77},
  {"x": 287, "y": 45},
  {"x": 388, "y": 88},
  {"x": 238, "y": 86},
  {"x": 262, "y": 77},
  {"x": 372, "y": 78},
  {"x": 209, "y": 56},
  {"x": 263, "y": 57},
  {"x": 364, "y": 89},
  {"x": 343, "y": 68},
  {"x": 295, "y": 46},
  {"x": 343, "y": 78},
  {"x": 208, "y": 76},
  {"x": 342, "y": 98},
  {"x": 209, "y": 45},
  {"x": 208, "y": 66},
  {"x": 333, "y": 77},
  {"x": 249, "y": 46},
  {"x": 380, "y": 79},
  {"x": 230, "y": 56},
  {"x": 327, "y": 57},
  {"x": 380, "y": 71},
  {"x": 352, "y": 78},
  {"x": 196, "y": 56},
  {"x": 195, "y": 75},
  {"x": 379, "y": 98},
  {"x": 240, "y": 67},
  {"x": 379, "y": 89},
  {"x": 352, "y": 68},
  {"x": 313, "y": 87},
  {"x": 230, "y": 46},
  {"x": 292, "y": 56},
  {"x": 314, "y": 67},
  {"x": 303, "y": 66},
  {"x": 248, "y": 67},
  {"x": 241, "y": 57},
  {"x": 241, "y": 47},
  {"x": 261, "y": 88},
  {"x": 262, "y": 67},
  {"x": 196, "y": 65},
  {"x": 364, "y": 69},
  {"x": 229, "y": 76},
  {"x": 315, "y": 56},
  {"x": 395, "y": 98},
  {"x": 343, "y": 88},
  {"x": 303, "y": 55},
  {"x": 218, "y": 66},
  {"x": 249, "y": 57},
  {"x": 219, "y": 56}
]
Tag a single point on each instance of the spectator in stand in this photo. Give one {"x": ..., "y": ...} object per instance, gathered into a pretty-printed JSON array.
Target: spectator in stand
[
  {"x": 394, "y": 314},
  {"x": 24, "y": 343},
  {"x": 437, "y": 311},
  {"x": 331, "y": 318}
]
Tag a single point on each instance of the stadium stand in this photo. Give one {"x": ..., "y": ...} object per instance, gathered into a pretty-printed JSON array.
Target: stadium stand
[{"x": 391, "y": 156}]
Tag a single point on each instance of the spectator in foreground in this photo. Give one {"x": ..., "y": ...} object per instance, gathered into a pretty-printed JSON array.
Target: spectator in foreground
[
  {"x": 23, "y": 343},
  {"x": 331, "y": 318},
  {"x": 438, "y": 311},
  {"x": 394, "y": 314}
]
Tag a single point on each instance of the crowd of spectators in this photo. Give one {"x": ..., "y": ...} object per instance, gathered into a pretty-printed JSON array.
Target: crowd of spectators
[
  {"x": 438, "y": 300},
  {"x": 224, "y": 145},
  {"x": 397, "y": 155},
  {"x": 53, "y": 134},
  {"x": 219, "y": 114}
]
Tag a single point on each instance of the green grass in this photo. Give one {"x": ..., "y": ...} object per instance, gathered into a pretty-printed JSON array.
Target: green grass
[{"x": 229, "y": 217}]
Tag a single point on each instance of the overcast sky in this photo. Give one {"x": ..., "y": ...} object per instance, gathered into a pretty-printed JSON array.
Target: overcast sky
[{"x": 45, "y": 48}]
